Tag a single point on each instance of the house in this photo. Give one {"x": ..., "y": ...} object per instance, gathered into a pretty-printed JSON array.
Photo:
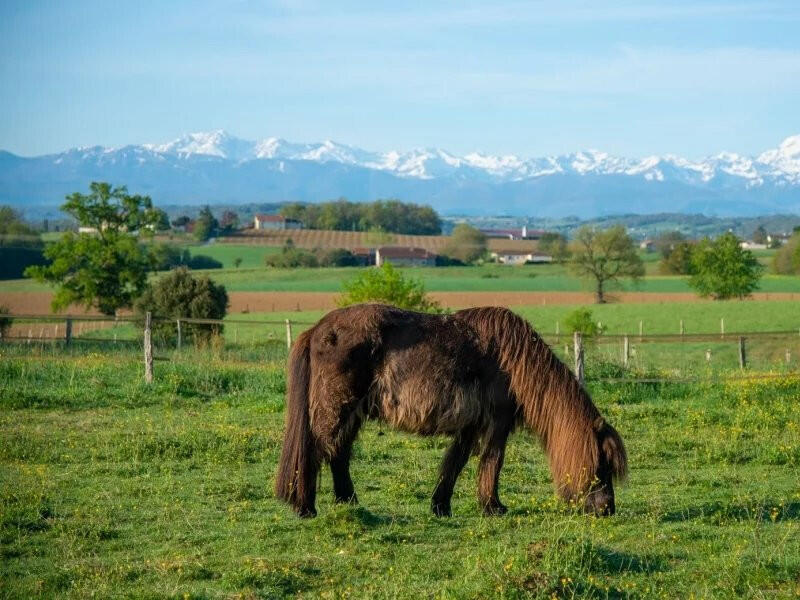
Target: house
[
  {"x": 364, "y": 256},
  {"x": 275, "y": 222},
  {"x": 520, "y": 257},
  {"x": 404, "y": 256},
  {"x": 751, "y": 245},
  {"x": 647, "y": 245}
]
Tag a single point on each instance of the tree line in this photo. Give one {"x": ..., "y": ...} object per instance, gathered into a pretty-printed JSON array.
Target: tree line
[{"x": 391, "y": 216}]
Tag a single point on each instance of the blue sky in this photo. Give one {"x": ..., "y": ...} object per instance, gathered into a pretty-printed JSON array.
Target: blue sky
[{"x": 531, "y": 78}]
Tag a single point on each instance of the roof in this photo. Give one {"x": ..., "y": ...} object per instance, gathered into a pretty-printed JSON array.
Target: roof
[{"x": 405, "y": 252}]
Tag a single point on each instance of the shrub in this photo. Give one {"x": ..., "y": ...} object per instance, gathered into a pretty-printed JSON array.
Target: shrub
[
  {"x": 181, "y": 294},
  {"x": 291, "y": 257},
  {"x": 582, "y": 321},
  {"x": 336, "y": 257},
  {"x": 388, "y": 285}
]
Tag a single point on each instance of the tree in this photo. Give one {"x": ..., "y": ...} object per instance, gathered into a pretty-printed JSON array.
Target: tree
[
  {"x": 237, "y": 261},
  {"x": 229, "y": 221},
  {"x": 466, "y": 244},
  {"x": 106, "y": 269},
  {"x": 606, "y": 256},
  {"x": 181, "y": 294},
  {"x": 678, "y": 260},
  {"x": 787, "y": 259},
  {"x": 555, "y": 245},
  {"x": 387, "y": 285},
  {"x": 760, "y": 235},
  {"x": 181, "y": 221},
  {"x": 205, "y": 226},
  {"x": 722, "y": 269},
  {"x": 161, "y": 220},
  {"x": 20, "y": 245},
  {"x": 666, "y": 242}
]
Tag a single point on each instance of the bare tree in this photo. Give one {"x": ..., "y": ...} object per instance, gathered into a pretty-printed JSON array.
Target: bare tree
[{"x": 605, "y": 256}]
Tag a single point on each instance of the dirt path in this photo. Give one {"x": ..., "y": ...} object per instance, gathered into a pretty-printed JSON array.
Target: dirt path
[{"x": 38, "y": 303}]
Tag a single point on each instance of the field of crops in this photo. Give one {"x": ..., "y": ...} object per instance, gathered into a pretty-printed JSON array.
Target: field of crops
[{"x": 111, "y": 488}]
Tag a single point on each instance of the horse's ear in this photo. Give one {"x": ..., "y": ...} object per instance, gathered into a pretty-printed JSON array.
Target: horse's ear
[
  {"x": 598, "y": 424},
  {"x": 614, "y": 451}
]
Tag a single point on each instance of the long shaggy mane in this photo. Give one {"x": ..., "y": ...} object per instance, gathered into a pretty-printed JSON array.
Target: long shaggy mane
[{"x": 550, "y": 401}]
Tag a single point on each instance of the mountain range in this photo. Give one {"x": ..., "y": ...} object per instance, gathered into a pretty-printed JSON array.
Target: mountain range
[{"x": 217, "y": 167}]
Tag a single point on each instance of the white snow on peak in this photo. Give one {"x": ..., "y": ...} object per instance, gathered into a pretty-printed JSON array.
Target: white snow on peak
[
  {"x": 784, "y": 160},
  {"x": 779, "y": 164}
]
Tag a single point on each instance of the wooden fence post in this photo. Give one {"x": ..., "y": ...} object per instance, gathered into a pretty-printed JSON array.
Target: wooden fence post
[
  {"x": 68, "y": 332},
  {"x": 788, "y": 356},
  {"x": 148, "y": 348},
  {"x": 708, "y": 355},
  {"x": 625, "y": 351},
  {"x": 742, "y": 355},
  {"x": 641, "y": 330},
  {"x": 288, "y": 334},
  {"x": 578, "y": 342},
  {"x": 681, "y": 327},
  {"x": 722, "y": 327},
  {"x": 180, "y": 334}
]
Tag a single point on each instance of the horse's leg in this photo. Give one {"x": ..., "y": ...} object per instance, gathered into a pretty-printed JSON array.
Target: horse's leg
[
  {"x": 343, "y": 490},
  {"x": 492, "y": 462},
  {"x": 454, "y": 460}
]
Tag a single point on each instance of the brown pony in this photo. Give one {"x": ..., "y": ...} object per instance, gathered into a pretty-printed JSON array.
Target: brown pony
[{"x": 473, "y": 375}]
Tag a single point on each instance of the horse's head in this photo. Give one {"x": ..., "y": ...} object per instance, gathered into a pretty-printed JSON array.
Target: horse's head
[{"x": 612, "y": 464}]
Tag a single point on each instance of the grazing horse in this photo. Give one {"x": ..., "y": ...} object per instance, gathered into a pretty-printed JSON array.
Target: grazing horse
[{"x": 473, "y": 375}]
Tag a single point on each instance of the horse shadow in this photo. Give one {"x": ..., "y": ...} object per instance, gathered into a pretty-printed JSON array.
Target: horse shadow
[{"x": 718, "y": 511}]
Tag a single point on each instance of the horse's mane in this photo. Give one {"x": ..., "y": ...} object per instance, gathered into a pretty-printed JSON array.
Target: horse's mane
[{"x": 550, "y": 400}]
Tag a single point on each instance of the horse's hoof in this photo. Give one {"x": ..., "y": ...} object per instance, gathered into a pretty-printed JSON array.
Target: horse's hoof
[
  {"x": 306, "y": 512},
  {"x": 346, "y": 499},
  {"x": 494, "y": 510},
  {"x": 441, "y": 510}
]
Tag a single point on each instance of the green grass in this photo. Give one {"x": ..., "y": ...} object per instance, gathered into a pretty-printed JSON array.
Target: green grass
[
  {"x": 252, "y": 255},
  {"x": 110, "y": 488},
  {"x": 252, "y": 277}
]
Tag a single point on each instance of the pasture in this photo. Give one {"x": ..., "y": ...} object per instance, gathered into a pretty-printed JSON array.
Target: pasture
[{"x": 111, "y": 488}]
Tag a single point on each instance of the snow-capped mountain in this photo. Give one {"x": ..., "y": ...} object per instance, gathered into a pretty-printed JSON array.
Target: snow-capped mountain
[{"x": 219, "y": 167}]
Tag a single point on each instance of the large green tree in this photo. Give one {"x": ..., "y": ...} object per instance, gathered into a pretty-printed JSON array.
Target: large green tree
[
  {"x": 722, "y": 269},
  {"x": 466, "y": 244},
  {"x": 604, "y": 256},
  {"x": 106, "y": 269}
]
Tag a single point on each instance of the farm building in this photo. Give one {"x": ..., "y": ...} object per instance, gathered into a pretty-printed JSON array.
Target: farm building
[
  {"x": 404, "y": 256},
  {"x": 365, "y": 256},
  {"x": 275, "y": 222}
]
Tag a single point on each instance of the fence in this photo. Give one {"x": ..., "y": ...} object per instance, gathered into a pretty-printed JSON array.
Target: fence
[{"x": 639, "y": 358}]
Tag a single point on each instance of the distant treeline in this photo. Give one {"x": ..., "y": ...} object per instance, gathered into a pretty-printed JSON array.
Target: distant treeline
[{"x": 383, "y": 215}]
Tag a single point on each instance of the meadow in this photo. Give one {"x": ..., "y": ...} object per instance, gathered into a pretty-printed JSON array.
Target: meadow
[
  {"x": 252, "y": 277},
  {"x": 112, "y": 488}
]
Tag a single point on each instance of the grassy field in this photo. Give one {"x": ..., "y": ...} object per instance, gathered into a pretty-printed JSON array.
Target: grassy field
[
  {"x": 252, "y": 276},
  {"x": 110, "y": 488}
]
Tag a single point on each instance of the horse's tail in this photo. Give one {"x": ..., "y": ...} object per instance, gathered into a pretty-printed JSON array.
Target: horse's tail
[{"x": 295, "y": 482}]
